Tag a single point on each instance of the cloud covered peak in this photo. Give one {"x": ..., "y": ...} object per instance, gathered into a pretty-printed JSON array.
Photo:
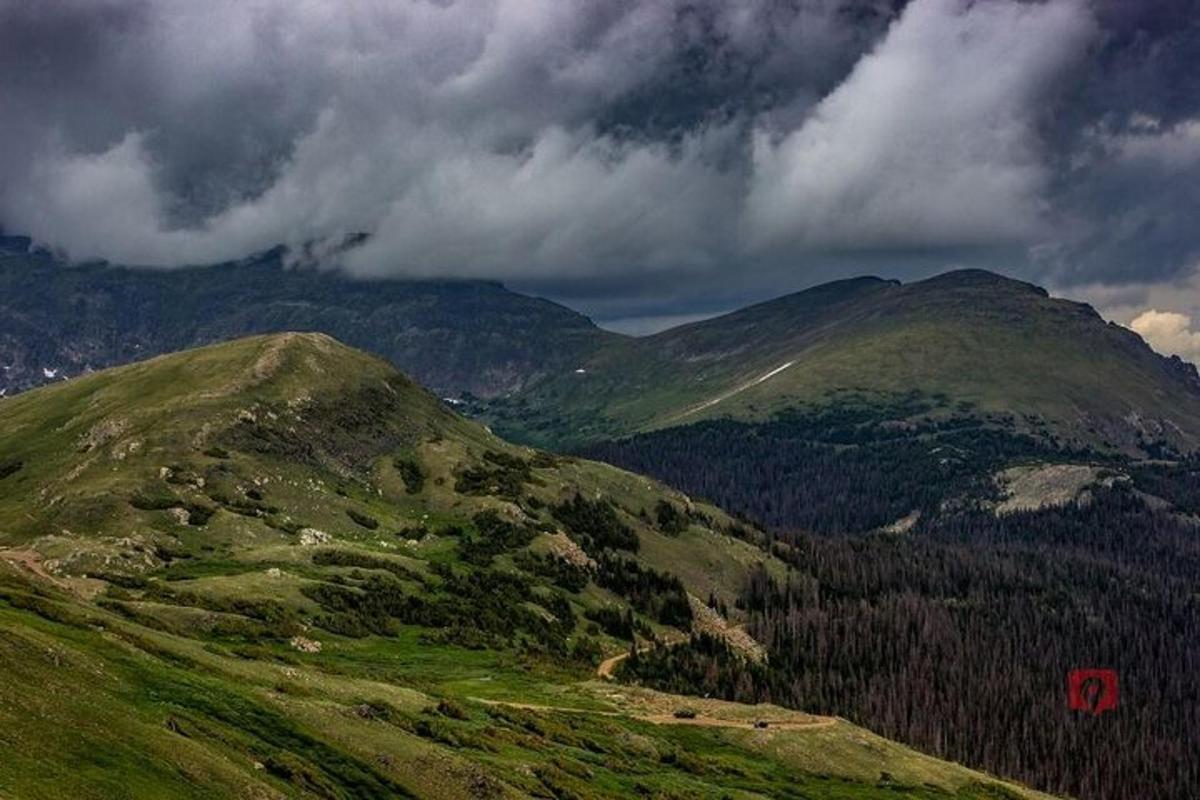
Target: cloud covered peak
[{"x": 656, "y": 146}]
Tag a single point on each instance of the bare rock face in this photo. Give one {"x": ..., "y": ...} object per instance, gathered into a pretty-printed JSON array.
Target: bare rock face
[
  {"x": 305, "y": 645},
  {"x": 102, "y": 433},
  {"x": 564, "y": 547},
  {"x": 311, "y": 536},
  {"x": 1032, "y": 488},
  {"x": 705, "y": 620}
]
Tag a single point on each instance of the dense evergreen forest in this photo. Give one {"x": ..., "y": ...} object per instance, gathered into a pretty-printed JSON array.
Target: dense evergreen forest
[
  {"x": 957, "y": 636},
  {"x": 839, "y": 471}
]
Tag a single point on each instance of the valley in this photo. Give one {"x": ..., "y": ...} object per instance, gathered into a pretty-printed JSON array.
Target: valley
[
  {"x": 277, "y": 567},
  {"x": 860, "y": 460}
]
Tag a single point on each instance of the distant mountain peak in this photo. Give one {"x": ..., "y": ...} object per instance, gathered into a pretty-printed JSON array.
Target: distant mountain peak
[
  {"x": 968, "y": 341},
  {"x": 971, "y": 278},
  {"x": 456, "y": 336}
]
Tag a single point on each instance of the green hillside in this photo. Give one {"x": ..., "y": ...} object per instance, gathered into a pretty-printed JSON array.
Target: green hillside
[
  {"x": 965, "y": 341},
  {"x": 278, "y": 568}
]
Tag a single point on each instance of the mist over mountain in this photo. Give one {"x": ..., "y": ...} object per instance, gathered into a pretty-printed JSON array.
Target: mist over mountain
[
  {"x": 595, "y": 399},
  {"x": 59, "y": 321},
  {"x": 655, "y": 153}
]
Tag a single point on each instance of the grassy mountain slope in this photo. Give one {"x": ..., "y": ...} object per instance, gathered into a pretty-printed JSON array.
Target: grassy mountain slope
[
  {"x": 277, "y": 567},
  {"x": 965, "y": 340},
  {"x": 453, "y": 336}
]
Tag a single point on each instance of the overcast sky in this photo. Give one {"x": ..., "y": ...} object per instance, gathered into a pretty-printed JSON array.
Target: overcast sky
[{"x": 635, "y": 158}]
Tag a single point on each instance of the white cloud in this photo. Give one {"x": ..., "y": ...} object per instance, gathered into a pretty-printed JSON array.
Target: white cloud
[
  {"x": 1168, "y": 333},
  {"x": 461, "y": 134},
  {"x": 1145, "y": 139},
  {"x": 469, "y": 136},
  {"x": 931, "y": 140}
]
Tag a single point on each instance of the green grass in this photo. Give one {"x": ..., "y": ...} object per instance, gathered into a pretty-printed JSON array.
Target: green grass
[
  {"x": 998, "y": 345},
  {"x": 158, "y": 657}
]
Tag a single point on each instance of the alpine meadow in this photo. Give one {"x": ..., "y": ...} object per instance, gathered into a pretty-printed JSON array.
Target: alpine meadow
[{"x": 598, "y": 399}]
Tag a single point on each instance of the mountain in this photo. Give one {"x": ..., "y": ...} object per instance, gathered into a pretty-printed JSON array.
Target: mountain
[
  {"x": 963, "y": 342},
  {"x": 59, "y": 321},
  {"x": 956, "y": 470},
  {"x": 278, "y": 567}
]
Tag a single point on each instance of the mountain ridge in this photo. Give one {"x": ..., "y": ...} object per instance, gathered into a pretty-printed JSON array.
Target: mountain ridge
[
  {"x": 969, "y": 339},
  {"x": 454, "y": 336},
  {"x": 550, "y": 376},
  {"x": 278, "y": 567}
]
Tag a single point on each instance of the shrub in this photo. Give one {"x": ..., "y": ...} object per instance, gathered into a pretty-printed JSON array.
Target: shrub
[
  {"x": 596, "y": 524},
  {"x": 612, "y": 621},
  {"x": 495, "y": 536},
  {"x": 199, "y": 515},
  {"x": 657, "y": 594},
  {"x": 411, "y": 473},
  {"x": 364, "y": 520},
  {"x": 557, "y": 570},
  {"x": 154, "y": 500},
  {"x": 349, "y": 558},
  {"x": 670, "y": 520},
  {"x": 449, "y": 708},
  {"x": 500, "y": 474}
]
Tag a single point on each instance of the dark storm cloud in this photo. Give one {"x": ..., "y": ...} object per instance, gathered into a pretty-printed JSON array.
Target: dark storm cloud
[{"x": 625, "y": 153}]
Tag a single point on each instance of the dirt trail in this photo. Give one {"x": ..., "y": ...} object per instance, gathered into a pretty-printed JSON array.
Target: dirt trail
[
  {"x": 605, "y": 670},
  {"x": 609, "y": 665},
  {"x": 670, "y": 719},
  {"x": 32, "y": 561}
]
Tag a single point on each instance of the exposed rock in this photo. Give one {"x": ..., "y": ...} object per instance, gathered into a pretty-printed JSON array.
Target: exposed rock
[
  {"x": 312, "y": 536},
  {"x": 706, "y": 620},
  {"x": 102, "y": 433},
  {"x": 904, "y": 524},
  {"x": 564, "y": 547},
  {"x": 1031, "y": 488},
  {"x": 305, "y": 645},
  {"x": 125, "y": 449}
]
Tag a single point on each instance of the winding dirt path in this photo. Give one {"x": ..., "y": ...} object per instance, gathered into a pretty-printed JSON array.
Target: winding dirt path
[
  {"x": 699, "y": 720},
  {"x": 608, "y": 665},
  {"x": 605, "y": 672}
]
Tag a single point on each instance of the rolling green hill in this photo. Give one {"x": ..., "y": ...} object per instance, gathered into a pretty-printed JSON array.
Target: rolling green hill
[
  {"x": 278, "y": 568},
  {"x": 967, "y": 341}
]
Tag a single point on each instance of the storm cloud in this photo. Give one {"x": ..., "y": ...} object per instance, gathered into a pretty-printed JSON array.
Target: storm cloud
[{"x": 641, "y": 153}]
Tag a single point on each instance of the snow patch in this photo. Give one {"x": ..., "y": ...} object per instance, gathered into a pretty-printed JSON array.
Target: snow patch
[{"x": 738, "y": 390}]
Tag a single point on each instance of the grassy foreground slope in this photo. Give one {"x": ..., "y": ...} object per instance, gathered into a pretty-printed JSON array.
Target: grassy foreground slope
[
  {"x": 278, "y": 568},
  {"x": 964, "y": 341}
]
